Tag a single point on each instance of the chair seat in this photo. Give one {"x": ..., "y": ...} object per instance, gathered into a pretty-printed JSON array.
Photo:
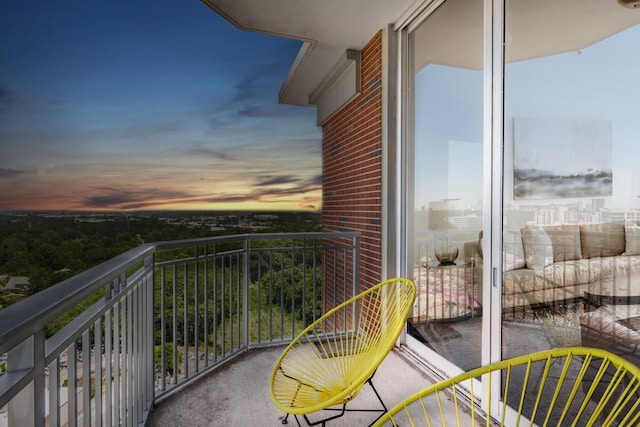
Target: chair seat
[
  {"x": 331, "y": 376},
  {"x": 565, "y": 386},
  {"x": 333, "y": 358}
]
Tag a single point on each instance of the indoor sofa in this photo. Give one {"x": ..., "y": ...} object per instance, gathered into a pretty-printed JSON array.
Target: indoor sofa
[{"x": 550, "y": 265}]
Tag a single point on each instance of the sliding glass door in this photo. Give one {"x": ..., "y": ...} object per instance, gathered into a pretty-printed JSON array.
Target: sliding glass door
[
  {"x": 572, "y": 176},
  {"x": 548, "y": 129},
  {"x": 446, "y": 175}
]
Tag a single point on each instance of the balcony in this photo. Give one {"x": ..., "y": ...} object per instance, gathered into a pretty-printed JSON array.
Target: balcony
[
  {"x": 238, "y": 394},
  {"x": 164, "y": 316}
]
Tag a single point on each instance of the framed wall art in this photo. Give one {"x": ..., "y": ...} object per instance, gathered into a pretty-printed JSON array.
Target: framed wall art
[{"x": 562, "y": 158}]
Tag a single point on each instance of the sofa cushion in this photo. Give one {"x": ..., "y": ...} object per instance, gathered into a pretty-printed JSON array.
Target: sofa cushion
[
  {"x": 512, "y": 249},
  {"x": 620, "y": 265},
  {"x": 632, "y": 240},
  {"x": 570, "y": 273},
  {"x": 565, "y": 240},
  {"x": 606, "y": 239},
  {"x": 525, "y": 280},
  {"x": 538, "y": 250}
]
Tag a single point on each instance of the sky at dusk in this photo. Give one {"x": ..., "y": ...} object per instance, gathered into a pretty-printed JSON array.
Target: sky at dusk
[{"x": 138, "y": 105}]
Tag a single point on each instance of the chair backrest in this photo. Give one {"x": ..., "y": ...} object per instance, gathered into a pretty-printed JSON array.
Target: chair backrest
[
  {"x": 565, "y": 386},
  {"x": 331, "y": 359}
]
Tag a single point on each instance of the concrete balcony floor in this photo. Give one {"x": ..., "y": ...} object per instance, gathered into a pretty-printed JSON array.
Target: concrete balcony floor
[{"x": 237, "y": 394}]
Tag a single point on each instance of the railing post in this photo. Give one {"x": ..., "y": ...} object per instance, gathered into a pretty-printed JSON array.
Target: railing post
[
  {"x": 245, "y": 292},
  {"x": 149, "y": 332},
  {"x": 27, "y": 408}
]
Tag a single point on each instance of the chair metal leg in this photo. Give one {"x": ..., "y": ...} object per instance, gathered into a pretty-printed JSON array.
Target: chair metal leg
[
  {"x": 323, "y": 422},
  {"x": 286, "y": 420},
  {"x": 379, "y": 398}
]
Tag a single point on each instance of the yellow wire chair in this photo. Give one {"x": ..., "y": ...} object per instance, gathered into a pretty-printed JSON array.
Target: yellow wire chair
[
  {"x": 572, "y": 386},
  {"x": 328, "y": 363}
]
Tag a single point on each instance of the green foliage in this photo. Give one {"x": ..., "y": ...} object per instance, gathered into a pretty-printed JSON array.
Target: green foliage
[
  {"x": 219, "y": 301},
  {"x": 204, "y": 299},
  {"x": 51, "y": 249},
  {"x": 67, "y": 317},
  {"x": 8, "y": 299},
  {"x": 294, "y": 286},
  {"x": 39, "y": 278},
  {"x": 168, "y": 358},
  {"x": 269, "y": 321},
  {"x": 284, "y": 296}
]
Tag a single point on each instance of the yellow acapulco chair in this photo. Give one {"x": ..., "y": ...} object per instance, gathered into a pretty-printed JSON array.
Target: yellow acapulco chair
[
  {"x": 328, "y": 363},
  {"x": 572, "y": 386}
]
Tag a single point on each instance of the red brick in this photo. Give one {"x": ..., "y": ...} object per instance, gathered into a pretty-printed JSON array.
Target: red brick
[{"x": 352, "y": 176}]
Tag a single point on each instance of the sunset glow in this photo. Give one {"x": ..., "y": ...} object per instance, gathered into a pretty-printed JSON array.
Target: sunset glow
[{"x": 114, "y": 106}]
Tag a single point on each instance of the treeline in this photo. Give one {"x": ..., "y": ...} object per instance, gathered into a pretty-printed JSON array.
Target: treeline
[
  {"x": 48, "y": 250},
  {"x": 203, "y": 300}
]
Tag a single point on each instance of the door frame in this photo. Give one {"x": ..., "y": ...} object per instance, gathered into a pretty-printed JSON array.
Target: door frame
[{"x": 493, "y": 126}]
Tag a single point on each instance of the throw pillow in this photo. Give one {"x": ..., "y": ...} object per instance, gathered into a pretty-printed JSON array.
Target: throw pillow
[
  {"x": 605, "y": 239},
  {"x": 565, "y": 240},
  {"x": 513, "y": 251},
  {"x": 538, "y": 251}
]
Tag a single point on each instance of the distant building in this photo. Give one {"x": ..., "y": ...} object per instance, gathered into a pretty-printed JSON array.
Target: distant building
[
  {"x": 597, "y": 204},
  {"x": 472, "y": 221},
  {"x": 16, "y": 283},
  {"x": 445, "y": 204}
]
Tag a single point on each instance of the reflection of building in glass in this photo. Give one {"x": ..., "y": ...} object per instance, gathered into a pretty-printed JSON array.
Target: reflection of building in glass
[
  {"x": 451, "y": 214},
  {"x": 453, "y": 219},
  {"x": 591, "y": 218},
  {"x": 546, "y": 216},
  {"x": 445, "y": 204},
  {"x": 622, "y": 215},
  {"x": 466, "y": 221},
  {"x": 581, "y": 212}
]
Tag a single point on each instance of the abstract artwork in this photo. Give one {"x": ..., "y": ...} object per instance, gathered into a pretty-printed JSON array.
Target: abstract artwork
[{"x": 562, "y": 158}]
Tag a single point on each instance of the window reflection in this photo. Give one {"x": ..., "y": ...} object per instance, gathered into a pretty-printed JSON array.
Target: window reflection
[
  {"x": 447, "y": 181},
  {"x": 571, "y": 204}
]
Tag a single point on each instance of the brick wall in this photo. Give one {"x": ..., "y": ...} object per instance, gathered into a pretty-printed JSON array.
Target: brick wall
[{"x": 352, "y": 166}]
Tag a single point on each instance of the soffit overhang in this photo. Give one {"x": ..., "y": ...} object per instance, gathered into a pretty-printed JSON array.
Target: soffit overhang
[
  {"x": 534, "y": 29},
  {"x": 327, "y": 28}
]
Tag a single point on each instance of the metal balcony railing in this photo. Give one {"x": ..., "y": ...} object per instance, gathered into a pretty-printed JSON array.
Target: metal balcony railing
[{"x": 157, "y": 317}]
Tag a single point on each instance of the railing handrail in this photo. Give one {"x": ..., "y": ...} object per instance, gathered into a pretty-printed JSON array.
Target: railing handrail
[
  {"x": 25, "y": 317},
  {"x": 106, "y": 355},
  {"x": 171, "y": 244}
]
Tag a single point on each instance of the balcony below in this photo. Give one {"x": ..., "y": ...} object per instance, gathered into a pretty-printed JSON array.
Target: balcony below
[{"x": 237, "y": 394}]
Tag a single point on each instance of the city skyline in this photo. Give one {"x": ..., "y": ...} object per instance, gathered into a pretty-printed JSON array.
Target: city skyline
[{"x": 122, "y": 106}]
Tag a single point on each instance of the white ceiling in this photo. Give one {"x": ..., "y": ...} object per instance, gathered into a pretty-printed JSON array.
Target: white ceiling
[
  {"x": 328, "y": 28},
  {"x": 453, "y": 35}
]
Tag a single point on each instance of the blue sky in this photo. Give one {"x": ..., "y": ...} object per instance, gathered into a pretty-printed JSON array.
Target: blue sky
[
  {"x": 593, "y": 87},
  {"x": 148, "y": 105}
]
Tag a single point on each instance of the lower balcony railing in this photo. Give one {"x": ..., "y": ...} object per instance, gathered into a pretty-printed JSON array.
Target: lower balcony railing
[{"x": 153, "y": 319}]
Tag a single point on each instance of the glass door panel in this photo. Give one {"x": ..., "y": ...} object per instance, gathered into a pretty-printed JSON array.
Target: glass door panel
[
  {"x": 445, "y": 204},
  {"x": 572, "y": 177}
]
